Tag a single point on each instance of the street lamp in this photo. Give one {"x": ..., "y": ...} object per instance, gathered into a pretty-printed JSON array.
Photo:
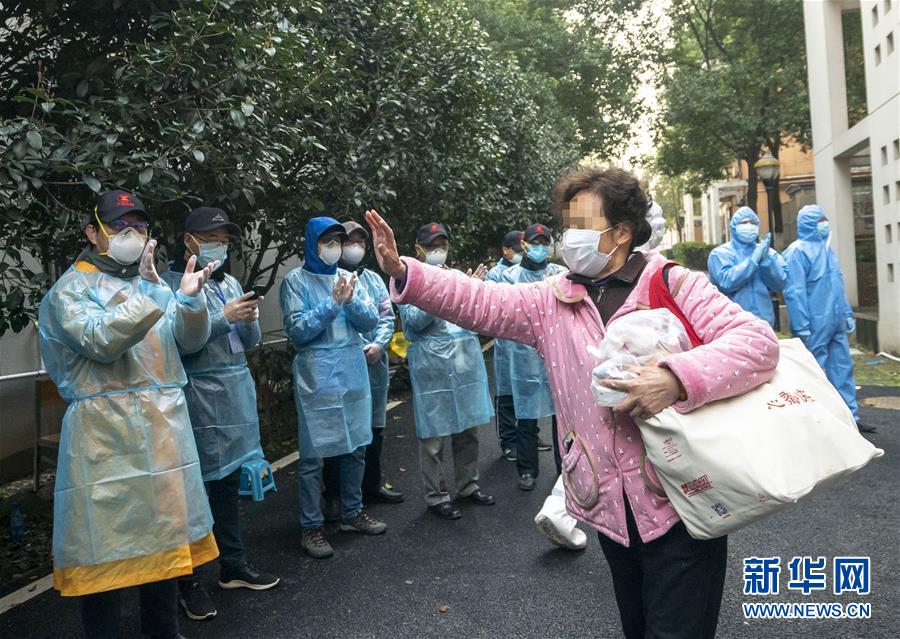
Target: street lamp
[{"x": 767, "y": 169}]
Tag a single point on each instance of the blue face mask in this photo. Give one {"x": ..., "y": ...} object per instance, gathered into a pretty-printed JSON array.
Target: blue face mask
[
  {"x": 212, "y": 251},
  {"x": 823, "y": 229},
  {"x": 747, "y": 232},
  {"x": 538, "y": 252}
]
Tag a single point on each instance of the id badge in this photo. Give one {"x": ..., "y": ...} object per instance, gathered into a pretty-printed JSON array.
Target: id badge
[{"x": 234, "y": 340}]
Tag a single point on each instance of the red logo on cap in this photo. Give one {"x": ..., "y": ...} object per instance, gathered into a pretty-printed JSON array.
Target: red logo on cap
[
  {"x": 539, "y": 228},
  {"x": 434, "y": 228},
  {"x": 124, "y": 200}
]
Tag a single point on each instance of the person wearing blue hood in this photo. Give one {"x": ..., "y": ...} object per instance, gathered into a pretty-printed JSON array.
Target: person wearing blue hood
[
  {"x": 532, "y": 397},
  {"x": 325, "y": 316},
  {"x": 820, "y": 313},
  {"x": 511, "y": 250},
  {"x": 747, "y": 269}
]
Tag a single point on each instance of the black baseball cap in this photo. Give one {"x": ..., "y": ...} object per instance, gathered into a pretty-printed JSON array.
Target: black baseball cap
[
  {"x": 207, "y": 218},
  {"x": 428, "y": 233},
  {"x": 114, "y": 204},
  {"x": 537, "y": 230},
  {"x": 353, "y": 227},
  {"x": 513, "y": 240}
]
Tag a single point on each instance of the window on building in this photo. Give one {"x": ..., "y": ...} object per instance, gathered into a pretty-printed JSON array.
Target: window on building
[
  {"x": 897, "y": 190},
  {"x": 884, "y": 156},
  {"x": 890, "y": 43},
  {"x": 888, "y": 233},
  {"x": 897, "y": 149},
  {"x": 890, "y": 273},
  {"x": 886, "y": 194},
  {"x": 875, "y": 15},
  {"x": 854, "y": 65},
  {"x": 878, "y": 54},
  {"x": 887, "y": 5}
]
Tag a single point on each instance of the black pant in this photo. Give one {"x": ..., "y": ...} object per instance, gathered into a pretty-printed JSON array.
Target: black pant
[
  {"x": 225, "y": 507},
  {"x": 372, "y": 476},
  {"x": 506, "y": 421},
  {"x": 527, "y": 432},
  {"x": 669, "y": 588},
  {"x": 100, "y": 613}
]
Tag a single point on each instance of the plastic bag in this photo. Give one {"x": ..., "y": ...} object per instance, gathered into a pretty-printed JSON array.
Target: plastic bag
[{"x": 636, "y": 339}]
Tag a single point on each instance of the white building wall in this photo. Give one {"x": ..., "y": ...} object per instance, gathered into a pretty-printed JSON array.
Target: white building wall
[{"x": 834, "y": 142}]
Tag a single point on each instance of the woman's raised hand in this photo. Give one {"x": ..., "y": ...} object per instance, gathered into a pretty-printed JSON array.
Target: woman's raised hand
[{"x": 385, "y": 246}]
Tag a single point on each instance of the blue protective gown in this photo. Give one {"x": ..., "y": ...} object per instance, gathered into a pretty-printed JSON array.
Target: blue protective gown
[
  {"x": 502, "y": 385},
  {"x": 449, "y": 379},
  {"x": 741, "y": 278},
  {"x": 381, "y": 335},
  {"x": 129, "y": 503},
  {"x": 817, "y": 303},
  {"x": 220, "y": 392},
  {"x": 531, "y": 392},
  {"x": 331, "y": 378}
]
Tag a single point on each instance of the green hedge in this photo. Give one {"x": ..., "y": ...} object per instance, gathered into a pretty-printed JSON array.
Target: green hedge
[{"x": 690, "y": 254}]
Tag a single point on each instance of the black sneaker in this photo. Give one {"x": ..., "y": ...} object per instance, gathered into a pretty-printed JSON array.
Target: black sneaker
[
  {"x": 526, "y": 482},
  {"x": 866, "y": 428},
  {"x": 246, "y": 577},
  {"x": 544, "y": 446},
  {"x": 365, "y": 523},
  {"x": 509, "y": 454},
  {"x": 313, "y": 541},
  {"x": 197, "y": 603}
]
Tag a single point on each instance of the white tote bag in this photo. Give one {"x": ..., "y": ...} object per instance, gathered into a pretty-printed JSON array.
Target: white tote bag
[{"x": 731, "y": 462}]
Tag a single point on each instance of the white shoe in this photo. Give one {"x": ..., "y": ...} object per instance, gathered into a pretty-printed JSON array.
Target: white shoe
[{"x": 556, "y": 524}]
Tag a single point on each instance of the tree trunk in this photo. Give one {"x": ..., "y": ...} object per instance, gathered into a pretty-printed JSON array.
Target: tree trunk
[
  {"x": 778, "y": 231},
  {"x": 751, "y": 180}
]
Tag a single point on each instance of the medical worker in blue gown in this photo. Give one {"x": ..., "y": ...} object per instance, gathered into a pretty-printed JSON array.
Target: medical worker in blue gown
[
  {"x": 747, "y": 269},
  {"x": 511, "y": 251},
  {"x": 532, "y": 397},
  {"x": 221, "y": 399},
  {"x": 820, "y": 313},
  {"x": 375, "y": 489},
  {"x": 325, "y": 315},
  {"x": 129, "y": 507},
  {"x": 450, "y": 392}
]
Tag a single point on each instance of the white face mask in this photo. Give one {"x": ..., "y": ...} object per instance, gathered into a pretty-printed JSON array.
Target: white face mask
[
  {"x": 353, "y": 254},
  {"x": 516, "y": 258},
  {"x": 436, "y": 257},
  {"x": 579, "y": 251},
  {"x": 126, "y": 247},
  {"x": 330, "y": 253}
]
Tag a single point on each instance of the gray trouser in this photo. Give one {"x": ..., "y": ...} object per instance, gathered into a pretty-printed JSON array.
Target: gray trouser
[{"x": 464, "y": 446}]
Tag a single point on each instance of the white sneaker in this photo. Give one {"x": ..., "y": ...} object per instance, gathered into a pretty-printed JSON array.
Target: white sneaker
[{"x": 556, "y": 524}]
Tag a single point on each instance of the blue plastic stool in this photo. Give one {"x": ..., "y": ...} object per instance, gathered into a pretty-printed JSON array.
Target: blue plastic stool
[{"x": 256, "y": 479}]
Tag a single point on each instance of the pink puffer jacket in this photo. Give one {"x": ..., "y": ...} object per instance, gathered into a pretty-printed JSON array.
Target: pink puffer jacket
[{"x": 739, "y": 352}]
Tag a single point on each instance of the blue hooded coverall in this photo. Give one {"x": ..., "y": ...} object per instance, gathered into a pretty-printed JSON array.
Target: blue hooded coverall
[
  {"x": 819, "y": 310},
  {"x": 744, "y": 280}
]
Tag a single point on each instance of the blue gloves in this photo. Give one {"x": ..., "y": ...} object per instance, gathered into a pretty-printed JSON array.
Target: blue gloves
[
  {"x": 851, "y": 324},
  {"x": 761, "y": 252}
]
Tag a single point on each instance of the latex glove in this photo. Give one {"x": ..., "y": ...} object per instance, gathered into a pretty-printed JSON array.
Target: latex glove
[
  {"x": 373, "y": 353},
  {"x": 192, "y": 282},
  {"x": 343, "y": 289},
  {"x": 147, "y": 264},
  {"x": 761, "y": 252},
  {"x": 851, "y": 324},
  {"x": 241, "y": 309}
]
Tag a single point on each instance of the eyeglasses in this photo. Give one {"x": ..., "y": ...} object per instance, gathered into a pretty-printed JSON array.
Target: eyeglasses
[{"x": 120, "y": 225}]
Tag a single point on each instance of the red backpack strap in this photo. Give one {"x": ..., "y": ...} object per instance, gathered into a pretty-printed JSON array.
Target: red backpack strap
[{"x": 661, "y": 297}]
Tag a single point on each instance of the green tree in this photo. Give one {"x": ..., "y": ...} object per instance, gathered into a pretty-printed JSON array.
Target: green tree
[
  {"x": 275, "y": 111},
  {"x": 735, "y": 83}
]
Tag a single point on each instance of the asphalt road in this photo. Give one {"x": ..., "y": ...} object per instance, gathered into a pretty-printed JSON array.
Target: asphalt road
[{"x": 498, "y": 576}]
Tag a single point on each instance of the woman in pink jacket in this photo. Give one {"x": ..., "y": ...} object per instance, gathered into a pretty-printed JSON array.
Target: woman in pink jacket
[{"x": 667, "y": 584}]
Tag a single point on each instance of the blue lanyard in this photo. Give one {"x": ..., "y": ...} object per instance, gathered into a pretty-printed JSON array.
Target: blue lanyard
[{"x": 219, "y": 294}]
